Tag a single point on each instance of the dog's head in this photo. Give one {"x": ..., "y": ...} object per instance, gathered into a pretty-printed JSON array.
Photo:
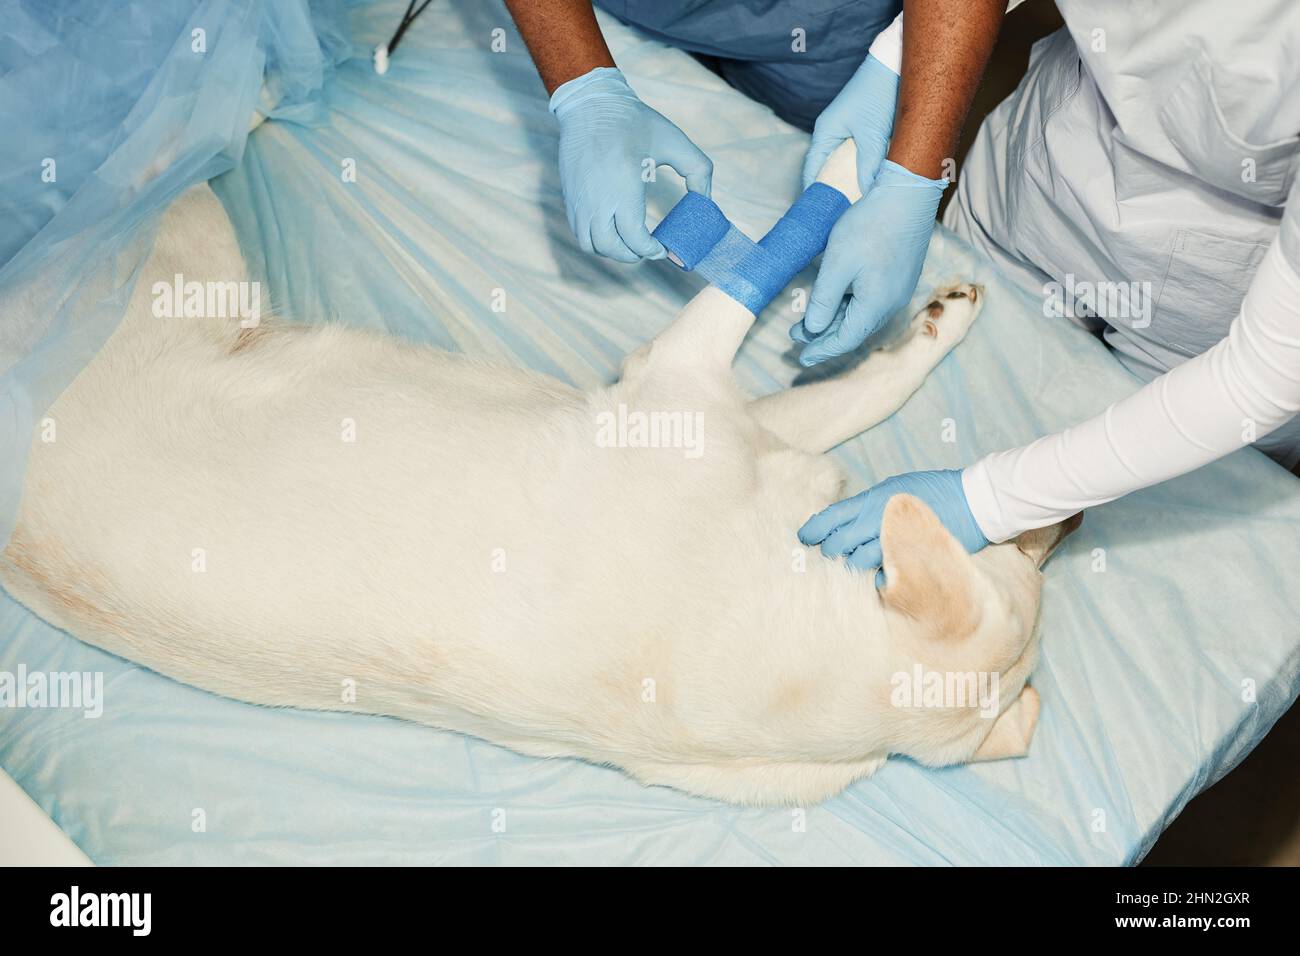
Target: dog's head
[{"x": 970, "y": 620}]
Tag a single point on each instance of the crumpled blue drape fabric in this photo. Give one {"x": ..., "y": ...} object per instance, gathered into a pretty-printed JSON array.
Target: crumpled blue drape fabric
[
  {"x": 111, "y": 109},
  {"x": 428, "y": 205}
]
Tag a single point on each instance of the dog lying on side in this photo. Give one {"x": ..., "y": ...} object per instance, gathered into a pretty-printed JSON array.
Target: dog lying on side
[{"x": 320, "y": 517}]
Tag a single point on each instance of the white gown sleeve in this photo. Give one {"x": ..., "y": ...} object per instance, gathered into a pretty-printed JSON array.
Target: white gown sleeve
[
  {"x": 887, "y": 47},
  {"x": 1241, "y": 389}
]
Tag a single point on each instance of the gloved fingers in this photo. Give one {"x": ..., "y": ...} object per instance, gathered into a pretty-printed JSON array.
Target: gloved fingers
[
  {"x": 871, "y": 150},
  {"x": 833, "y": 344},
  {"x": 630, "y": 222},
  {"x": 674, "y": 148},
  {"x": 581, "y": 228},
  {"x": 836, "y": 274},
  {"x": 605, "y": 241},
  {"x": 823, "y": 144},
  {"x": 863, "y": 532},
  {"x": 836, "y": 341},
  {"x": 845, "y": 539},
  {"x": 575, "y": 217},
  {"x": 859, "y": 532},
  {"x": 877, "y": 295},
  {"x": 816, "y": 528},
  {"x": 867, "y": 555},
  {"x": 865, "y": 315},
  {"x": 799, "y": 332},
  {"x": 862, "y": 318}
]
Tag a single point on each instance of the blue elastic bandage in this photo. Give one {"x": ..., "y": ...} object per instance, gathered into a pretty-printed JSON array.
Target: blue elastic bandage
[{"x": 702, "y": 240}]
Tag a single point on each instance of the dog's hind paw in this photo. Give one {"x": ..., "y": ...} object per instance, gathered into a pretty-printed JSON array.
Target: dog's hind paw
[{"x": 949, "y": 313}]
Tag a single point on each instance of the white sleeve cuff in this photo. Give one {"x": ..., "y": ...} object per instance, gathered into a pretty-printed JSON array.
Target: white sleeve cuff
[
  {"x": 983, "y": 503},
  {"x": 888, "y": 45}
]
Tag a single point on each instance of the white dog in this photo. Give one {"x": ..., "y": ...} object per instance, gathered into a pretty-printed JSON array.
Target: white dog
[{"x": 314, "y": 516}]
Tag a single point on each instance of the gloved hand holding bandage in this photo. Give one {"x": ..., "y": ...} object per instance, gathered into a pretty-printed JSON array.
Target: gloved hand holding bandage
[
  {"x": 607, "y": 136},
  {"x": 699, "y": 238}
]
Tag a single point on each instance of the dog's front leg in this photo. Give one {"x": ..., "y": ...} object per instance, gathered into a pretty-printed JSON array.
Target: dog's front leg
[{"x": 707, "y": 333}]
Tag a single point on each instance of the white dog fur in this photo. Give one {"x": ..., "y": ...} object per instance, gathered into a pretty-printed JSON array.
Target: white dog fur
[{"x": 477, "y": 560}]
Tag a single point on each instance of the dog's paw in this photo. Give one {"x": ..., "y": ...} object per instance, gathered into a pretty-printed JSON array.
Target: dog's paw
[
  {"x": 1013, "y": 730},
  {"x": 949, "y": 313}
]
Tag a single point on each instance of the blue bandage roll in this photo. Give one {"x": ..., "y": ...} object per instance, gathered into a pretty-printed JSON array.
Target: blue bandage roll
[
  {"x": 802, "y": 232},
  {"x": 701, "y": 239},
  {"x": 691, "y": 229}
]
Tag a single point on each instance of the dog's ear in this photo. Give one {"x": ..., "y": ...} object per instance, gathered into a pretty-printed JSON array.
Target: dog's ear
[{"x": 929, "y": 577}]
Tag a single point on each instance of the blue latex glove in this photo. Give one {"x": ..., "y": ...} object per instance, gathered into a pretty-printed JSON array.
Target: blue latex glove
[
  {"x": 864, "y": 110},
  {"x": 876, "y": 250},
  {"x": 606, "y": 134},
  {"x": 852, "y": 527}
]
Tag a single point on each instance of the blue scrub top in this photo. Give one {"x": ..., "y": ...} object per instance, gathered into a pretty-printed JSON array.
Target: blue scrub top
[{"x": 792, "y": 55}]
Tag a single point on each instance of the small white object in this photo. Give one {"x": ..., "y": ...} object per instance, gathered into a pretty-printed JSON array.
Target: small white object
[
  {"x": 381, "y": 60},
  {"x": 27, "y": 836},
  {"x": 888, "y": 45}
]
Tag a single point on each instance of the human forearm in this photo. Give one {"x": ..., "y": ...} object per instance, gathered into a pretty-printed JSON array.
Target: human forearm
[
  {"x": 563, "y": 38},
  {"x": 946, "y": 45},
  {"x": 905, "y": 105},
  {"x": 1240, "y": 390}
]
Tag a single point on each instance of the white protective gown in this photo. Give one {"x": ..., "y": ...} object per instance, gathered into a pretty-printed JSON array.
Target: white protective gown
[{"x": 1137, "y": 180}]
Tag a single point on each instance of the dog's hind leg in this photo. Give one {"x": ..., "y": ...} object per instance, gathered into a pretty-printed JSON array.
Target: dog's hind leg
[{"x": 817, "y": 417}]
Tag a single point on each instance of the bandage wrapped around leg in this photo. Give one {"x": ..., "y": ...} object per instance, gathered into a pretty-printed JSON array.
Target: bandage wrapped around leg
[{"x": 700, "y": 238}]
